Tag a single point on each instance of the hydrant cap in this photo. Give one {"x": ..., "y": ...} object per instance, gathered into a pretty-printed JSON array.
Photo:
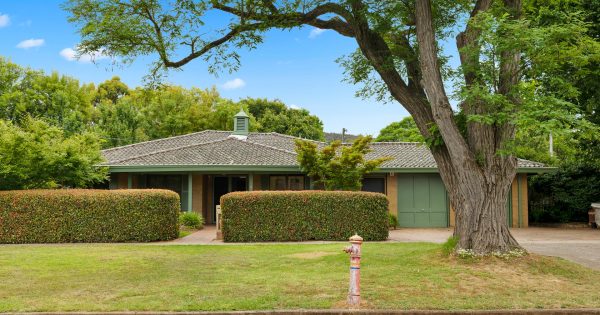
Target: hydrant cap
[{"x": 356, "y": 238}]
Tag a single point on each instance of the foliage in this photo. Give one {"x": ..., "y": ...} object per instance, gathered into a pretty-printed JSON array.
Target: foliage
[
  {"x": 303, "y": 215},
  {"x": 58, "y": 100},
  {"x": 402, "y": 131},
  {"x": 569, "y": 28},
  {"x": 191, "y": 220},
  {"x": 393, "y": 220},
  {"x": 566, "y": 195},
  {"x": 275, "y": 116},
  {"x": 337, "y": 166},
  {"x": 37, "y": 155},
  {"x": 61, "y": 216}
]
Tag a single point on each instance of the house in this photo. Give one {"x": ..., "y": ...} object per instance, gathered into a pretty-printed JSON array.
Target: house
[{"x": 203, "y": 166}]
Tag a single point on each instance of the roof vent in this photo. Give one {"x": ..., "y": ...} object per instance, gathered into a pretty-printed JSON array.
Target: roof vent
[{"x": 241, "y": 123}]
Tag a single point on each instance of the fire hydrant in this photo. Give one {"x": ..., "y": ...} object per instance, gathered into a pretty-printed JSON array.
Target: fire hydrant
[{"x": 354, "y": 251}]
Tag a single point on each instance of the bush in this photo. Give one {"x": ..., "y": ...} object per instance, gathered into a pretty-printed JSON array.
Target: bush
[
  {"x": 191, "y": 220},
  {"x": 393, "y": 221},
  {"x": 566, "y": 195},
  {"x": 78, "y": 215},
  {"x": 303, "y": 215}
]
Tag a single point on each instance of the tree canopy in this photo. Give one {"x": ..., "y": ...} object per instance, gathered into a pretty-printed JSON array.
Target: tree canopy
[
  {"x": 401, "y": 131},
  {"x": 37, "y": 155},
  {"x": 337, "y": 166}
]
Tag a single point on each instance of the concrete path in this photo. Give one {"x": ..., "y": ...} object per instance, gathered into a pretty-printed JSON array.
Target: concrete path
[{"x": 578, "y": 245}]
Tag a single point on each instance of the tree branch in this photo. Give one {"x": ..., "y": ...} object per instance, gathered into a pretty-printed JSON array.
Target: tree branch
[
  {"x": 434, "y": 87},
  {"x": 311, "y": 17}
]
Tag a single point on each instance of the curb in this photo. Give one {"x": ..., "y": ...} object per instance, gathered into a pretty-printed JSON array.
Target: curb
[{"x": 338, "y": 312}]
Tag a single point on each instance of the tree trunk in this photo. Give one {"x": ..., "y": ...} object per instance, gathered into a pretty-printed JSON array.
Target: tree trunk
[
  {"x": 481, "y": 216},
  {"x": 476, "y": 176}
]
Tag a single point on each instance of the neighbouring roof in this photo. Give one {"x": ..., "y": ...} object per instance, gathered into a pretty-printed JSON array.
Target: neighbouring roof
[{"x": 212, "y": 148}]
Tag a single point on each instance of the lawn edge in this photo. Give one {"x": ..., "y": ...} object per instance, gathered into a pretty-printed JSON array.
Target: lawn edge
[{"x": 332, "y": 312}]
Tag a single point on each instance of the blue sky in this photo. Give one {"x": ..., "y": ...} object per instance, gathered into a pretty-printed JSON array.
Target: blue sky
[{"x": 297, "y": 67}]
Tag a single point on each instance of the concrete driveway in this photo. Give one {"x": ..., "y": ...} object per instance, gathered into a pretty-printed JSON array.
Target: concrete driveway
[{"x": 578, "y": 245}]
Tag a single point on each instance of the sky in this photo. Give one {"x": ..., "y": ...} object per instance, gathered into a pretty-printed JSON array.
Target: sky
[{"x": 297, "y": 67}]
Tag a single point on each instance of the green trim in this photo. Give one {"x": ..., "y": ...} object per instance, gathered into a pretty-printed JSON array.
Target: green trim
[
  {"x": 520, "y": 170},
  {"x": 272, "y": 169},
  {"x": 189, "y": 196},
  {"x": 250, "y": 182},
  {"x": 510, "y": 208},
  {"x": 129, "y": 181},
  {"x": 447, "y": 207},
  {"x": 407, "y": 170},
  {"x": 202, "y": 168},
  {"x": 519, "y": 201},
  {"x": 536, "y": 170}
]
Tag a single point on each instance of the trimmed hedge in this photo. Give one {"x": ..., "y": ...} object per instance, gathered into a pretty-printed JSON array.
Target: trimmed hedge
[
  {"x": 261, "y": 216},
  {"x": 81, "y": 215}
]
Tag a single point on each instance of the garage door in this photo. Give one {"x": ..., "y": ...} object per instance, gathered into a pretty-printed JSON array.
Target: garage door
[{"x": 421, "y": 201}]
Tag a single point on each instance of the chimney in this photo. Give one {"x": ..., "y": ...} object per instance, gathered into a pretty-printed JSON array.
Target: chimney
[{"x": 241, "y": 123}]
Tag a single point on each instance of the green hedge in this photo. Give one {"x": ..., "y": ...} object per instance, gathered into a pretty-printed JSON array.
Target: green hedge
[
  {"x": 565, "y": 195},
  {"x": 303, "y": 215},
  {"x": 80, "y": 215}
]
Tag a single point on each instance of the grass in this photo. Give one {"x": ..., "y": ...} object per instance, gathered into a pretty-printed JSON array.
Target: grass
[{"x": 92, "y": 277}]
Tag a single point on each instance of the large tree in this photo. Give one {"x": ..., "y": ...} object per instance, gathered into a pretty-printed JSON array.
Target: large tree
[
  {"x": 404, "y": 131},
  {"x": 399, "y": 56},
  {"x": 37, "y": 155},
  {"x": 275, "y": 116}
]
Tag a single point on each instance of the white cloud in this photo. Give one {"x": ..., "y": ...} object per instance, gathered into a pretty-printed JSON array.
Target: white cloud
[
  {"x": 30, "y": 43},
  {"x": 294, "y": 106},
  {"x": 315, "y": 32},
  {"x": 70, "y": 54},
  {"x": 4, "y": 20},
  {"x": 233, "y": 84}
]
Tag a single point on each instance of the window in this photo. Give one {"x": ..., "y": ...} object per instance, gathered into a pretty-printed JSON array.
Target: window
[
  {"x": 285, "y": 182},
  {"x": 278, "y": 183},
  {"x": 373, "y": 185},
  {"x": 176, "y": 183},
  {"x": 295, "y": 182}
]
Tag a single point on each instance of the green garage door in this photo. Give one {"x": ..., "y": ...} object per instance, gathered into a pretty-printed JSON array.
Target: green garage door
[{"x": 421, "y": 201}]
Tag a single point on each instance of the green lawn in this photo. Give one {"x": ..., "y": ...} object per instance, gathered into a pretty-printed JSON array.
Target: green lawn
[{"x": 394, "y": 276}]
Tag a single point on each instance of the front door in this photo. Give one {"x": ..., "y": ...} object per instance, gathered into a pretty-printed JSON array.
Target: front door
[{"x": 226, "y": 184}]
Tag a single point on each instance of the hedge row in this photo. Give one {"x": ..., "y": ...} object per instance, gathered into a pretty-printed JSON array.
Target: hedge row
[
  {"x": 78, "y": 215},
  {"x": 303, "y": 215}
]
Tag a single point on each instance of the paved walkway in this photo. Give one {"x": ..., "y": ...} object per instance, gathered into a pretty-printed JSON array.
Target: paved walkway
[{"x": 578, "y": 245}]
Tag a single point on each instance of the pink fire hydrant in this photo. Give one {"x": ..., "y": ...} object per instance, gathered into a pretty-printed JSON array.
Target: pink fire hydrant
[{"x": 354, "y": 251}]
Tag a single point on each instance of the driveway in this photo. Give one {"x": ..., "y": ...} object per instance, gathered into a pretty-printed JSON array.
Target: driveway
[{"x": 578, "y": 245}]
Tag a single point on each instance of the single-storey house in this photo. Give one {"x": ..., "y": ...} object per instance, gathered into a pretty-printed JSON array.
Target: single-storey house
[{"x": 203, "y": 166}]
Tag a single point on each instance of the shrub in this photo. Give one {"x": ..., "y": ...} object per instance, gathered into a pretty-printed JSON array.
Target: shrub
[
  {"x": 393, "y": 221},
  {"x": 303, "y": 215},
  {"x": 191, "y": 220},
  {"x": 566, "y": 195},
  {"x": 78, "y": 215}
]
